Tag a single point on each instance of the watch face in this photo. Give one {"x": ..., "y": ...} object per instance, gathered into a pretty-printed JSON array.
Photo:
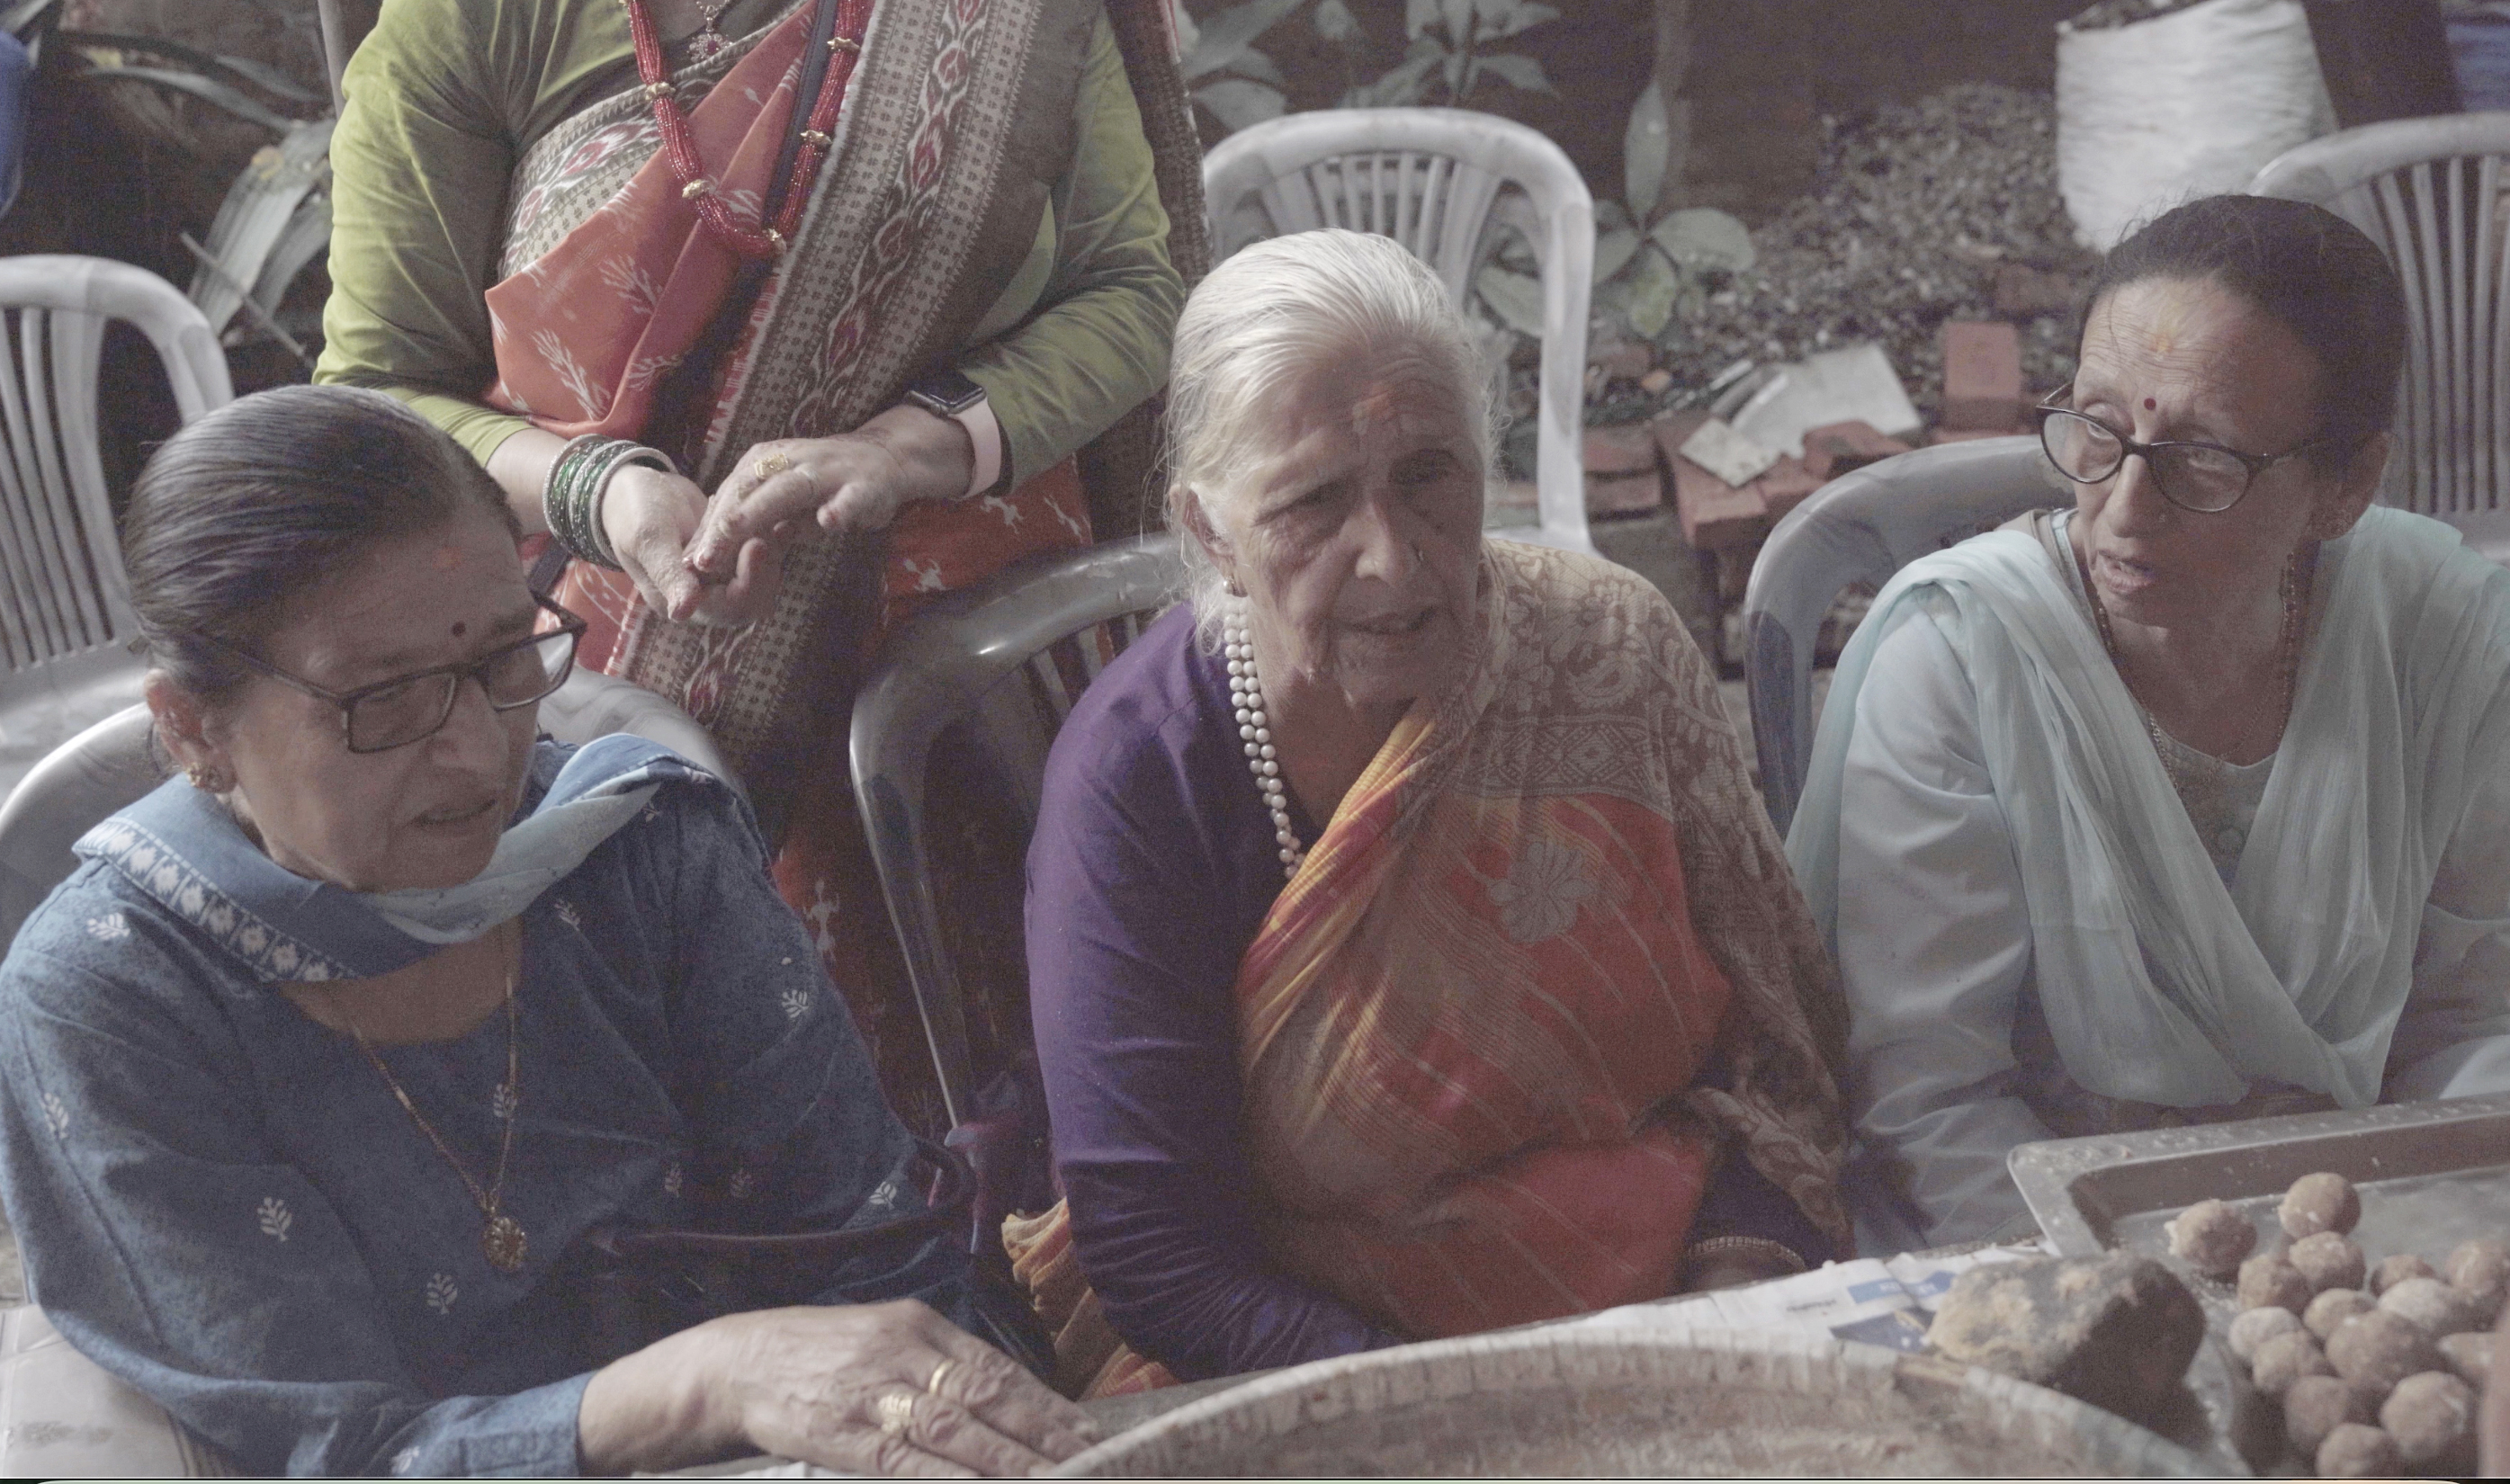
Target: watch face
[{"x": 948, "y": 394}]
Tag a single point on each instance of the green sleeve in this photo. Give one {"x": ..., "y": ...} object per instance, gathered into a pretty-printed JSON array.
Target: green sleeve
[
  {"x": 441, "y": 96},
  {"x": 1100, "y": 345}
]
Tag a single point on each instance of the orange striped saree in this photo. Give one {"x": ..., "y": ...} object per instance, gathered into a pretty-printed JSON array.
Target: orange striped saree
[{"x": 1543, "y": 970}]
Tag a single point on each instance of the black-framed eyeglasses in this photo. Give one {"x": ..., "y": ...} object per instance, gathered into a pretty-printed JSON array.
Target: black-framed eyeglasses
[
  {"x": 2207, "y": 479},
  {"x": 408, "y": 708}
]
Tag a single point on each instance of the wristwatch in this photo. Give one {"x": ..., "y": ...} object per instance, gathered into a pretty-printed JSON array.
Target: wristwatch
[{"x": 951, "y": 395}]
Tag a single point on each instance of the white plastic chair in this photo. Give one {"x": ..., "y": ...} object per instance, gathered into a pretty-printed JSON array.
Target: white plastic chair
[
  {"x": 66, "y": 618},
  {"x": 1434, "y": 180},
  {"x": 2431, "y": 193},
  {"x": 1862, "y": 527}
]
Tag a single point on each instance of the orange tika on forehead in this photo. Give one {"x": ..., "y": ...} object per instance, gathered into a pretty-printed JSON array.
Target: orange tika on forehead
[{"x": 1376, "y": 406}]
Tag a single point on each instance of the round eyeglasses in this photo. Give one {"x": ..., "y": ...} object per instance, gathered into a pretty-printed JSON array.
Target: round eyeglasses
[
  {"x": 408, "y": 708},
  {"x": 2207, "y": 479}
]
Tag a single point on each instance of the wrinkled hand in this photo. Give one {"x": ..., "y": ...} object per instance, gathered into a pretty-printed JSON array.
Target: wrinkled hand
[
  {"x": 812, "y": 1380},
  {"x": 782, "y": 490},
  {"x": 817, "y": 1383},
  {"x": 650, "y": 516}
]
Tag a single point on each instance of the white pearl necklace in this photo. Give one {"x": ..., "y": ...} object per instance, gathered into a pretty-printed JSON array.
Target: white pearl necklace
[{"x": 1255, "y": 730}]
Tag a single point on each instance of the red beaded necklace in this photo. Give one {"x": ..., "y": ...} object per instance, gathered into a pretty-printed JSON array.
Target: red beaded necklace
[{"x": 764, "y": 240}]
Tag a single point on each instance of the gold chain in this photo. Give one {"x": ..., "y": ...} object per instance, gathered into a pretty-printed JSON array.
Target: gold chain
[{"x": 502, "y": 1238}]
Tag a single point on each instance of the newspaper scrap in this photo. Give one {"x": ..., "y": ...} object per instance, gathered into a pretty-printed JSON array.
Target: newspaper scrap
[
  {"x": 1728, "y": 454},
  {"x": 1886, "y": 1302}
]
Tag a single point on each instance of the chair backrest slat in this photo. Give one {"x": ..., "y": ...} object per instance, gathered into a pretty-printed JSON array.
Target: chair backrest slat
[
  {"x": 1428, "y": 178},
  {"x": 67, "y": 595},
  {"x": 56, "y": 404},
  {"x": 26, "y": 432},
  {"x": 31, "y": 632},
  {"x": 2430, "y": 192},
  {"x": 1000, "y": 667},
  {"x": 78, "y": 358}
]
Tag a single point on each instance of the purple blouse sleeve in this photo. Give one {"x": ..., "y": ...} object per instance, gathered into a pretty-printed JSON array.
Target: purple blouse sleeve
[{"x": 1147, "y": 878}]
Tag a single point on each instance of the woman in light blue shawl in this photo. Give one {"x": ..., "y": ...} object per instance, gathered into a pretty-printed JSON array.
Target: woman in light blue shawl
[
  {"x": 345, "y": 1080},
  {"x": 2190, "y": 803}
]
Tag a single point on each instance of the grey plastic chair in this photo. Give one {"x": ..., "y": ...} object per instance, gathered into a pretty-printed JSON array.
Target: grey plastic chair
[
  {"x": 2432, "y": 194},
  {"x": 1861, "y": 529},
  {"x": 110, "y": 765},
  {"x": 1001, "y": 664},
  {"x": 1434, "y": 180},
  {"x": 66, "y": 620}
]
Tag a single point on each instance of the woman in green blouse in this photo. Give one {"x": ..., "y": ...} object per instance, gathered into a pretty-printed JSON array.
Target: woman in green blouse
[{"x": 696, "y": 278}]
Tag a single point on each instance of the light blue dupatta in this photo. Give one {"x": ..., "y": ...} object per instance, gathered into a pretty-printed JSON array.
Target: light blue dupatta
[
  {"x": 182, "y": 848},
  {"x": 2160, "y": 983}
]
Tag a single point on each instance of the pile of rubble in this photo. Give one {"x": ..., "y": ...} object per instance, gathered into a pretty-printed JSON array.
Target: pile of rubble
[{"x": 1942, "y": 209}]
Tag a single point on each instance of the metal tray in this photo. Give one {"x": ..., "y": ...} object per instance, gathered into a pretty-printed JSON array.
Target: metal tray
[{"x": 2431, "y": 1176}]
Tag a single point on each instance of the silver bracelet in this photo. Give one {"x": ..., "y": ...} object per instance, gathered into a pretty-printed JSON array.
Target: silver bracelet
[{"x": 1763, "y": 1248}]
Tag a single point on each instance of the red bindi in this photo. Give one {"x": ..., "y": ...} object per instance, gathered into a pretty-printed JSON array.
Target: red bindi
[{"x": 2150, "y": 405}]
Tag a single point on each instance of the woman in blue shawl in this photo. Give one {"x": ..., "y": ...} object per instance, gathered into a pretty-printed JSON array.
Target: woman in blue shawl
[{"x": 338, "y": 1079}]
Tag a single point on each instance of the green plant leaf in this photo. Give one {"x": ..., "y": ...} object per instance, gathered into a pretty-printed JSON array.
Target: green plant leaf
[
  {"x": 1418, "y": 15},
  {"x": 1706, "y": 239},
  {"x": 1402, "y": 84},
  {"x": 243, "y": 70},
  {"x": 1645, "y": 147},
  {"x": 1503, "y": 18},
  {"x": 1458, "y": 14},
  {"x": 1238, "y": 102},
  {"x": 1610, "y": 214},
  {"x": 1517, "y": 70},
  {"x": 1515, "y": 297},
  {"x": 1613, "y": 249},
  {"x": 1334, "y": 21},
  {"x": 270, "y": 79},
  {"x": 1653, "y": 286},
  {"x": 207, "y": 90},
  {"x": 1259, "y": 67},
  {"x": 1220, "y": 39}
]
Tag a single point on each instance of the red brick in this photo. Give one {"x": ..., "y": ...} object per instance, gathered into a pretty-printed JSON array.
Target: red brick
[
  {"x": 1714, "y": 514},
  {"x": 1983, "y": 388},
  {"x": 1785, "y": 485},
  {"x": 1626, "y": 361},
  {"x": 1624, "y": 494},
  {"x": 1515, "y": 503},
  {"x": 1624, "y": 449},
  {"x": 1833, "y": 450}
]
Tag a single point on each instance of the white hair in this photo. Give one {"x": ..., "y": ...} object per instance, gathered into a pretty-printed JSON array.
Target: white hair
[{"x": 1270, "y": 314}]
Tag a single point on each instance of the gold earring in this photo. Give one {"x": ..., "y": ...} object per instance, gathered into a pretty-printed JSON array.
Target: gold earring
[{"x": 204, "y": 779}]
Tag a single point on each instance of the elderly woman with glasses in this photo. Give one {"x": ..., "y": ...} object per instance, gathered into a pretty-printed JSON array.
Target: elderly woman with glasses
[
  {"x": 370, "y": 1094},
  {"x": 2190, "y": 803}
]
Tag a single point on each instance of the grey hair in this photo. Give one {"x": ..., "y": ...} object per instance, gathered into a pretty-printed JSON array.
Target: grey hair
[{"x": 1270, "y": 314}]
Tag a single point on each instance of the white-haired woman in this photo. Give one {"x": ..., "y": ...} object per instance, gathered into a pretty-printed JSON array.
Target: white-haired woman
[{"x": 1410, "y": 955}]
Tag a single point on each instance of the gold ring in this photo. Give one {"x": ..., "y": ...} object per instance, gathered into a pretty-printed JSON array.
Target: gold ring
[
  {"x": 897, "y": 1411},
  {"x": 934, "y": 1382},
  {"x": 771, "y": 465}
]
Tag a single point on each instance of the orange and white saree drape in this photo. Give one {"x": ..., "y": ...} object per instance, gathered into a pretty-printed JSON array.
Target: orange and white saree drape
[{"x": 1543, "y": 970}]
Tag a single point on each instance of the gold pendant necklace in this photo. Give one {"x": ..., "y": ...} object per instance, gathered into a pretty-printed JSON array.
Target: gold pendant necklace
[{"x": 501, "y": 1237}]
